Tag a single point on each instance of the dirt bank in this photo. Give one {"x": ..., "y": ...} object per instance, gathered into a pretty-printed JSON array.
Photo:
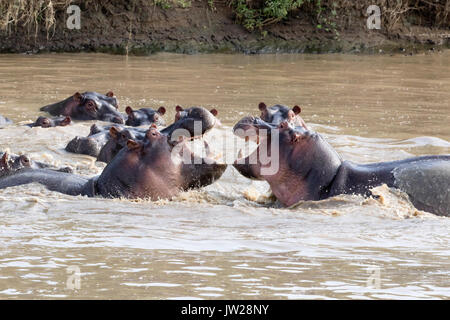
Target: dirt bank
[{"x": 145, "y": 27}]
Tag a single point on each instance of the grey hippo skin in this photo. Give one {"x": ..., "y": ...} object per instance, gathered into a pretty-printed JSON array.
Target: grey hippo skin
[
  {"x": 104, "y": 142},
  {"x": 4, "y": 121},
  {"x": 145, "y": 116},
  {"x": 310, "y": 169},
  {"x": 150, "y": 169},
  {"x": 184, "y": 125},
  {"x": 10, "y": 163},
  {"x": 279, "y": 113},
  {"x": 88, "y": 106},
  {"x": 46, "y": 122}
]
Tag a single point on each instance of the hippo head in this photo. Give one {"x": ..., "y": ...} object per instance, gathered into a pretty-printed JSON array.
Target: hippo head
[
  {"x": 46, "y": 122},
  {"x": 156, "y": 168},
  {"x": 95, "y": 106},
  {"x": 279, "y": 113},
  {"x": 145, "y": 116},
  {"x": 194, "y": 121},
  {"x": 10, "y": 165},
  {"x": 118, "y": 138},
  {"x": 297, "y": 163},
  {"x": 88, "y": 106}
]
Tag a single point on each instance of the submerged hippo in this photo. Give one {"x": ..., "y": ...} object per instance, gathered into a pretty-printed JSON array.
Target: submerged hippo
[
  {"x": 9, "y": 163},
  {"x": 88, "y": 106},
  {"x": 104, "y": 146},
  {"x": 308, "y": 168},
  {"x": 46, "y": 122},
  {"x": 4, "y": 120},
  {"x": 155, "y": 169},
  {"x": 145, "y": 116},
  {"x": 279, "y": 113},
  {"x": 92, "y": 144}
]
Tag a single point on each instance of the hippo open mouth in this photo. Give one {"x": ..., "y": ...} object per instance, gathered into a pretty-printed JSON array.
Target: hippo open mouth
[{"x": 285, "y": 155}]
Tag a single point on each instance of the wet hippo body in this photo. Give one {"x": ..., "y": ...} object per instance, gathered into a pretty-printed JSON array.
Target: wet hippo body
[
  {"x": 145, "y": 116},
  {"x": 46, "y": 122},
  {"x": 308, "y": 168},
  {"x": 88, "y": 106},
  {"x": 4, "y": 121},
  {"x": 151, "y": 169}
]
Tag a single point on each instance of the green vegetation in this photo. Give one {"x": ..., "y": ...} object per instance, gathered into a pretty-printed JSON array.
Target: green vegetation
[{"x": 254, "y": 15}]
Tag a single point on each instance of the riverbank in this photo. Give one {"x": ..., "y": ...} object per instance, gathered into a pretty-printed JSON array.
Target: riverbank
[{"x": 200, "y": 26}]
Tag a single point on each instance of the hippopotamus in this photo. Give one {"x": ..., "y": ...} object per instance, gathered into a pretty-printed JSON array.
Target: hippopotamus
[
  {"x": 46, "y": 122},
  {"x": 88, "y": 106},
  {"x": 92, "y": 144},
  {"x": 4, "y": 120},
  {"x": 118, "y": 138},
  {"x": 306, "y": 167},
  {"x": 194, "y": 121},
  {"x": 145, "y": 116},
  {"x": 155, "y": 168},
  {"x": 191, "y": 120},
  {"x": 10, "y": 163},
  {"x": 9, "y": 166},
  {"x": 279, "y": 113}
]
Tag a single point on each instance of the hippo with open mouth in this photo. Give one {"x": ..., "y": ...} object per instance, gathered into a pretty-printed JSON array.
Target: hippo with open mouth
[
  {"x": 308, "y": 168},
  {"x": 156, "y": 168},
  {"x": 88, "y": 106}
]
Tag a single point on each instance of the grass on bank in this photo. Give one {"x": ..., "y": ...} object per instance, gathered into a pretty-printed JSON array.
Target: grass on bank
[{"x": 38, "y": 15}]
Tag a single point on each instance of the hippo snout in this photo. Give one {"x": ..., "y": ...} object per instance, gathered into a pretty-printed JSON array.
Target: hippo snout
[{"x": 118, "y": 120}]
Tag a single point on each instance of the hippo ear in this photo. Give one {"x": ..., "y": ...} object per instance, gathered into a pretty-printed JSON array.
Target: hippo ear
[
  {"x": 77, "y": 96},
  {"x": 129, "y": 110},
  {"x": 214, "y": 112},
  {"x": 162, "y": 110},
  {"x": 178, "y": 108},
  {"x": 297, "y": 109},
  {"x": 109, "y": 94},
  {"x": 132, "y": 145},
  {"x": 65, "y": 122},
  {"x": 114, "y": 132},
  {"x": 4, "y": 161},
  {"x": 262, "y": 106}
]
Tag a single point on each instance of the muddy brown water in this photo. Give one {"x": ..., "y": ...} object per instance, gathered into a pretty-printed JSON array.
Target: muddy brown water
[{"x": 228, "y": 240}]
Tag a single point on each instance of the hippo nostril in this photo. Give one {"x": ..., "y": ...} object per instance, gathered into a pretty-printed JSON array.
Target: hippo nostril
[{"x": 117, "y": 120}]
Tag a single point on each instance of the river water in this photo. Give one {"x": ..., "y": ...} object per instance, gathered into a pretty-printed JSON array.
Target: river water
[{"x": 229, "y": 240}]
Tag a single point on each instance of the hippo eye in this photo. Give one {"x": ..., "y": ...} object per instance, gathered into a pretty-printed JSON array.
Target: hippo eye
[
  {"x": 25, "y": 161},
  {"x": 91, "y": 105}
]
